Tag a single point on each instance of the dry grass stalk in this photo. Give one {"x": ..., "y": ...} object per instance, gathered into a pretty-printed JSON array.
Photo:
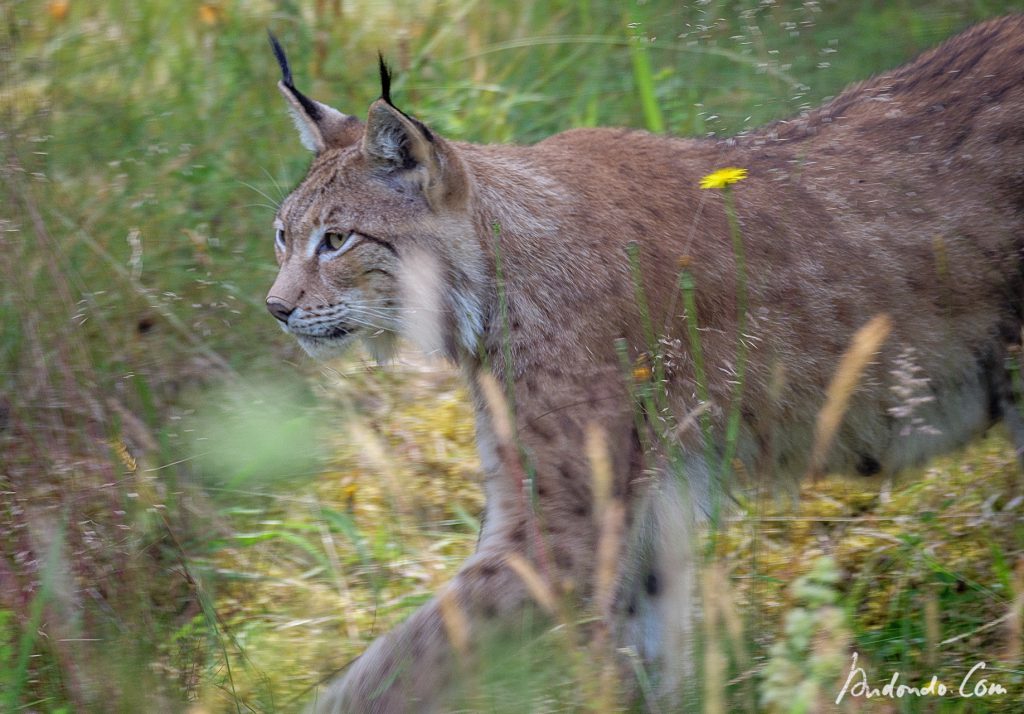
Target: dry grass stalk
[
  {"x": 714, "y": 658},
  {"x": 864, "y": 346},
  {"x": 340, "y": 582},
  {"x": 613, "y": 525},
  {"x": 508, "y": 454},
  {"x": 1015, "y": 621},
  {"x": 420, "y": 288},
  {"x": 932, "y": 629},
  {"x": 600, "y": 469},
  {"x": 730, "y": 616},
  {"x": 456, "y": 626},
  {"x": 497, "y": 406},
  {"x": 535, "y": 584},
  {"x": 609, "y": 546},
  {"x": 376, "y": 454},
  {"x": 690, "y": 420},
  {"x": 610, "y": 516}
]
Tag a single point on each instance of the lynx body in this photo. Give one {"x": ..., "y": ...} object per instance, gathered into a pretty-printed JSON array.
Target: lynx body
[{"x": 904, "y": 196}]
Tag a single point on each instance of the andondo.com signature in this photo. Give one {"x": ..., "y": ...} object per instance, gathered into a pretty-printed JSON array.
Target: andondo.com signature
[{"x": 971, "y": 686}]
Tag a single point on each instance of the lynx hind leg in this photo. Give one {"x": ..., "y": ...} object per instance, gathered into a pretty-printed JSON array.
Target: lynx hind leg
[{"x": 661, "y": 607}]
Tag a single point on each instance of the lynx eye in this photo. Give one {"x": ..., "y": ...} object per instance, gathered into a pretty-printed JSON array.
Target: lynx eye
[{"x": 338, "y": 242}]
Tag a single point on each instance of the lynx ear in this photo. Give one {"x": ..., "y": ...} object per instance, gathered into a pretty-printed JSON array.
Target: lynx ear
[
  {"x": 394, "y": 139},
  {"x": 320, "y": 126},
  {"x": 401, "y": 145}
]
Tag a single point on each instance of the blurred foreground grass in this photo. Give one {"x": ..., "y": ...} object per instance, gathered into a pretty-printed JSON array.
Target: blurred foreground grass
[{"x": 192, "y": 514}]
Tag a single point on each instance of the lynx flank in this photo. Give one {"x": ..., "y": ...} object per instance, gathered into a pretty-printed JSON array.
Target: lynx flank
[{"x": 904, "y": 196}]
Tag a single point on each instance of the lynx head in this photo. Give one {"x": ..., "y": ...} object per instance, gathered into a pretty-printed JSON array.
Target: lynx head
[{"x": 377, "y": 239}]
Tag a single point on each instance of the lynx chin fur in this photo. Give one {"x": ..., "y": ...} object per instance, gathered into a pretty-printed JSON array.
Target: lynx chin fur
[{"x": 903, "y": 196}]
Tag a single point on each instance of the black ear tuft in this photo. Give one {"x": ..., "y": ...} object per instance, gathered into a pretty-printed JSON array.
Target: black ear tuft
[
  {"x": 282, "y": 60},
  {"x": 308, "y": 105},
  {"x": 385, "y": 94},
  {"x": 385, "y": 79}
]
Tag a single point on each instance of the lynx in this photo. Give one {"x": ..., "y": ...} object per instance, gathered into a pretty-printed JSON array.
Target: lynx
[{"x": 548, "y": 266}]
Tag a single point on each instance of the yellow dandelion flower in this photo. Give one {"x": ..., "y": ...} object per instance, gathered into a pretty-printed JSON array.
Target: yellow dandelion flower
[{"x": 723, "y": 177}]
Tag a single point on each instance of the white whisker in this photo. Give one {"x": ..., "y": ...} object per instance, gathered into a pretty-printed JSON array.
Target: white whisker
[
  {"x": 280, "y": 191},
  {"x": 277, "y": 204},
  {"x": 260, "y": 205}
]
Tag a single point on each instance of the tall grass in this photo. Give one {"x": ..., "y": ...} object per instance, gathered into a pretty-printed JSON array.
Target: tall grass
[{"x": 144, "y": 149}]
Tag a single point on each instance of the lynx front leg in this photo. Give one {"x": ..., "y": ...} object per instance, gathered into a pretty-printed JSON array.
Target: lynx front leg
[{"x": 540, "y": 511}]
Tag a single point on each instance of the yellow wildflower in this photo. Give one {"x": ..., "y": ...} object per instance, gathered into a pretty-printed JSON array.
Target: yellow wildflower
[
  {"x": 210, "y": 14},
  {"x": 58, "y": 9},
  {"x": 723, "y": 177}
]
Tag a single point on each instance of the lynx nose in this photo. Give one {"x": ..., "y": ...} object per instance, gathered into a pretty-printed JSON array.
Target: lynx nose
[{"x": 279, "y": 309}]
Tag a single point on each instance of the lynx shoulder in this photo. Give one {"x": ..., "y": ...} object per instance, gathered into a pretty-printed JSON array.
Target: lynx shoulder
[{"x": 551, "y": 266}]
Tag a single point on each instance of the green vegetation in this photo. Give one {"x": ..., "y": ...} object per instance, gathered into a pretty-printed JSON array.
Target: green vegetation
[{"x": 194, "y": 515}]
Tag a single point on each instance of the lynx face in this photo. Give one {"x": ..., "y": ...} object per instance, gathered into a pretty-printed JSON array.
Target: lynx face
[
  {"x": 374, "y": 240},
  {"x": 339, "y": 267},
  {"x": 336, "y": 279}
]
